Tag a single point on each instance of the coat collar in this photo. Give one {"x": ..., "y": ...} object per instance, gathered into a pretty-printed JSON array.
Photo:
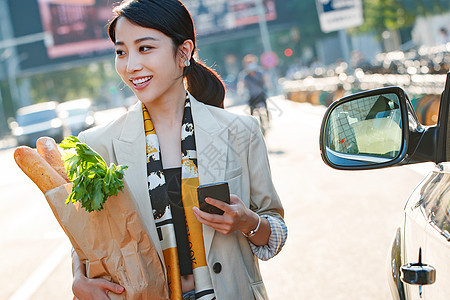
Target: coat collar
[{"x": 211, "y": 139}]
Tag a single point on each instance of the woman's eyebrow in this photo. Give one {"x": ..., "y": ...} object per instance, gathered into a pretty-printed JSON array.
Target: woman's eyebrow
[
  {"x": 140, "y": 40},
  {"x": 145, "y": 39}
]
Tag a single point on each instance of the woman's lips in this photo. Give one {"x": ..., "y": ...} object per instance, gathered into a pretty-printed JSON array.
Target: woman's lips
[{"x": 141, "y": 82}]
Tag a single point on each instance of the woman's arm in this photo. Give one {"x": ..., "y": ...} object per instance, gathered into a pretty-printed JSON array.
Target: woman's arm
[
  {"x": 269, "y": 237},
  {"x": 90, "y": 289}
]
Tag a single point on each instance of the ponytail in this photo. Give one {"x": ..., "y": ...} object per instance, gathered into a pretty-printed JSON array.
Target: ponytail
[{"x": 204, "y": 84}]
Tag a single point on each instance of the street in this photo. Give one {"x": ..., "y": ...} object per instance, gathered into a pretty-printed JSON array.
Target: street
[{"x": 340, "y": 223}]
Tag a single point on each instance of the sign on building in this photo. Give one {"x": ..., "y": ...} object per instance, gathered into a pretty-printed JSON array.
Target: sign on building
[{"x": 339, "y": 14}]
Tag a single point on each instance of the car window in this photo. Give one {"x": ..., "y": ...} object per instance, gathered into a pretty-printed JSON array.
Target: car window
[
  {"x": 36, "y": 117},
  {"x": 77, "y": 112},
  {"x": 436, "y": 202}
]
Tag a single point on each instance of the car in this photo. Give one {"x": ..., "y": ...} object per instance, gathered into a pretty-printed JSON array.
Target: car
[
  {"x": 34, "y": 121},
  {"x": 378, "y": 129},
  {"x": 78, "y": 114}
]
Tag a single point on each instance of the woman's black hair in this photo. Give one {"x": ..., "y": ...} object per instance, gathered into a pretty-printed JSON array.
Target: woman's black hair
[{"x": 173, "y": 19}]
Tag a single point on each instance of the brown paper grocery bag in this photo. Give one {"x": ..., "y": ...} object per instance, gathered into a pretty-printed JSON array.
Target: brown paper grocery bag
[{"x": 113, "y": 243}]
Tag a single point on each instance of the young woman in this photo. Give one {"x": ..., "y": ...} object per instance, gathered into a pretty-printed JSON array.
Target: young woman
[{"x": 177, "y": 137}]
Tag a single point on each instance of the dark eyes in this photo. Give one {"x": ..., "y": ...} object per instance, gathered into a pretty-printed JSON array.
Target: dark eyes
[
  {"x": 141, "y": 49},
  {"x": 145, "y": 48}
]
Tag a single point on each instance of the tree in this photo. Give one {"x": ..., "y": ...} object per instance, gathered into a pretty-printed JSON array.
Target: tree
[
  {"x": 382, "y": 15},
  {"x": 89, "y": 81}
]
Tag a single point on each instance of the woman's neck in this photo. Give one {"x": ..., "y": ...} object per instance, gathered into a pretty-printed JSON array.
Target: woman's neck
[{"x": 168, "y": 111}]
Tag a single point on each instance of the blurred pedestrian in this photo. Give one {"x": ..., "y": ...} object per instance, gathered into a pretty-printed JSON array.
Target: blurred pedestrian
[
  {"x": 255, "y": 84},
  {"x": 173, "y": 140},
  {"x": 444, "y": 36}
]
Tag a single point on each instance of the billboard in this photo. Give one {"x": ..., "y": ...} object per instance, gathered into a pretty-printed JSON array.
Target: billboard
[
  {"x": 79, "y": 32},
  {"x": 77, "y": 26},
  {"x": 339, "y": 14}
]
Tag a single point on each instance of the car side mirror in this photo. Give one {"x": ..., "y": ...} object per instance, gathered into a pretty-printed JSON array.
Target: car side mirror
[{"x": 375, "y": 129}]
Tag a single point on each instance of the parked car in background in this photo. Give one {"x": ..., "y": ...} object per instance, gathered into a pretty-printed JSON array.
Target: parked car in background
[
  {"x": 377, "y": 129},
  {"x": 78, "y": 114},
  {"x": 34, "y": 121}
]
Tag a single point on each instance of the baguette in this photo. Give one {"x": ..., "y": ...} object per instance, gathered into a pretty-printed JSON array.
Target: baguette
[
  {"x": 37, "y": 169},
  {"x": 48, "y": 149}
]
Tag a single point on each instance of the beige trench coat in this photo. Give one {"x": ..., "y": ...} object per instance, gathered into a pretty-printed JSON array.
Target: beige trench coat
[{"x": 230, "y": 148}]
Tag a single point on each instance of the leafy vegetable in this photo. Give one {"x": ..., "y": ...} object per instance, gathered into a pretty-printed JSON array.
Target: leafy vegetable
[{"x": 93, "y": 181}]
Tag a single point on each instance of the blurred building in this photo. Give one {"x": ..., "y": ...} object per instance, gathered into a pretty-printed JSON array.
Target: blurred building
[{"x": 427, "y": 30}]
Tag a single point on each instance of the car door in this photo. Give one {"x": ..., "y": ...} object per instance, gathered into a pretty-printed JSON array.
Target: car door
[
  {"x": 414, "y": 238},
  {"x": 433, "y": 213}
]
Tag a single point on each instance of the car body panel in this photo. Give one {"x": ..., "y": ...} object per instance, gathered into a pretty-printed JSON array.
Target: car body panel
[
  {"x": 414, "y": 236},
  {"x": 434, "y": 218},
  {"x": 394, "y": 263}
]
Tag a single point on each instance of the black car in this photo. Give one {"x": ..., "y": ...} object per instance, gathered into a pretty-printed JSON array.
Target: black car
[{"x": 377, "y": 129}]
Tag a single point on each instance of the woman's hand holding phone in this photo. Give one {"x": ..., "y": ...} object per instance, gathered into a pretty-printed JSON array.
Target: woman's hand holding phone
[
  {"x": 218, "y": 191},
  {"x": 236, "y": 216}
]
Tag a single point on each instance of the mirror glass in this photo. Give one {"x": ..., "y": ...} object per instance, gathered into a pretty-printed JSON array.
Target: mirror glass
[{"x": 363, "y": 131}]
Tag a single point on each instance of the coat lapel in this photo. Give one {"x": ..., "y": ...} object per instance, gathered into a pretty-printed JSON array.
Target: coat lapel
[
  {"x": 211, "y": 139},
  {"x": 129, "y": 149}
]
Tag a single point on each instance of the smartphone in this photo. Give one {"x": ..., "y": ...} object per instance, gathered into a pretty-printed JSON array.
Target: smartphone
[{"x": 218, "y": 190}]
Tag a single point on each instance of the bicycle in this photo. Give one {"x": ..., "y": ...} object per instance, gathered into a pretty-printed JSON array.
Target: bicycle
[{"x": 260, "y": 111}]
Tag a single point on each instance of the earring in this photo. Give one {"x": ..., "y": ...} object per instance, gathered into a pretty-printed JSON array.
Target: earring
[{"x": 187, "y": 63}]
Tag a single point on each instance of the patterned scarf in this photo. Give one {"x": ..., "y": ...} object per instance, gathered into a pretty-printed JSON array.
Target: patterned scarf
[{"x": 162, "y": 210}]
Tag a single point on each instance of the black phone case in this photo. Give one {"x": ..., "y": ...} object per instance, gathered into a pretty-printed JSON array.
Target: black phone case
[{"x": 219, "y": 191}]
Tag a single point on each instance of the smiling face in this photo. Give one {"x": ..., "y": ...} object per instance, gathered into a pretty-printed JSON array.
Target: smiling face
[{"x": 148, "y": 63}]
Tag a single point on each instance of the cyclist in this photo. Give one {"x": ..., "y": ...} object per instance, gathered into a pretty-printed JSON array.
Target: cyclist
[{"x": 255, "y": 85}]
